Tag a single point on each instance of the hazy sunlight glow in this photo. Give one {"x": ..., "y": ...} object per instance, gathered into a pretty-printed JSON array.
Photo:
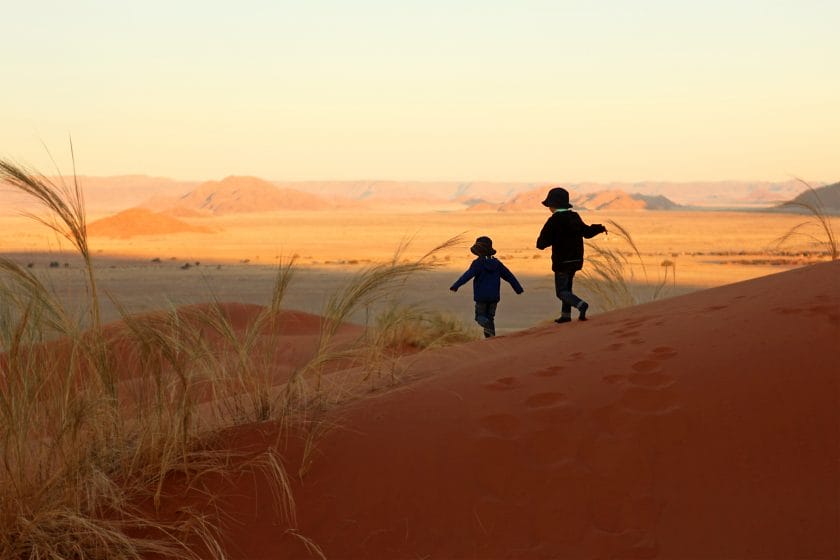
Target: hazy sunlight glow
[{"x": 432, "y": 90}]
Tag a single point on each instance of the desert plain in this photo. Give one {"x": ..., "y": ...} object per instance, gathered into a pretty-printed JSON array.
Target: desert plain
[{"x": 681, "y": 251}]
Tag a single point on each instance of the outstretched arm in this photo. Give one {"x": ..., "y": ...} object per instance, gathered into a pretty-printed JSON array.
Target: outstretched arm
[
  {"x": 591, "y": 231},
  {"x": 465, "y": 277},
  {"x": 508, "y": 276}
]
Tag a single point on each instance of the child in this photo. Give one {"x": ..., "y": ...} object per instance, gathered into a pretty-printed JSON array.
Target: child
[
  {"x": 564, "y": 232},
  {"x": 488, "y": 273}
]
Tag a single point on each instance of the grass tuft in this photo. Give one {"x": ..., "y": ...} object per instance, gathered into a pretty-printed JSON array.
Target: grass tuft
[
  {"x": 819, "y": 220},
  {"x": 610, "y": 277}
]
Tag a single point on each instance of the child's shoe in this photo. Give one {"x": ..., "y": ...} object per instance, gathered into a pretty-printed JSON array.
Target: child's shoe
[
  {"x": 582, "y": 307},
  {"x": 563, "y": 319}
]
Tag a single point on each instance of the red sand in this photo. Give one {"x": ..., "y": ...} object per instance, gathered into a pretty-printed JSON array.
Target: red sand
[{"x": 703, "y": 426}]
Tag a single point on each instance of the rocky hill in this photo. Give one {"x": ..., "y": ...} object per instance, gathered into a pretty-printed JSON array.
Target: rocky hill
[
  {"x": 600, "y": 200},
  {"x": 239, "y": 195},
  {"x": 825, "y": 199}
]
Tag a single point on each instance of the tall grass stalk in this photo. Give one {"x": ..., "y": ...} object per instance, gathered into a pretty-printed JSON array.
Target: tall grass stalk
[
  {"x": 76, "y": 454},
  {"x": 81, "y": 446},
  {"x": 66, "y": 214},
  {"x": 819, "y": 219},
  {"x": 66, "y": 217},
  {"x": 378, "y": 282},
  {"x": 609, "y": 275}
]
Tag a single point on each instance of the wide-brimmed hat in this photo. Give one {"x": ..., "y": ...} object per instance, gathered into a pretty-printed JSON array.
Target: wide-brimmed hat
[
  {"x": 483, "y": 247},
  {"x": 557, "y": 197}
]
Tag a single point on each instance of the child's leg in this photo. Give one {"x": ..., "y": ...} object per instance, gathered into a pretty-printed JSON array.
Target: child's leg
[
  {"x": 563, "y": 290},
  {"x": 484, "y": 313},
  {"x": 490, "y": 329},
  {"x": 581, "y": 305}
]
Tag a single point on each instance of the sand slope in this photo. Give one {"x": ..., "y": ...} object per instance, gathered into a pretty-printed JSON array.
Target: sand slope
[
  {"x": 703, "y": 426},
  {"x": 140, "y": 221}
]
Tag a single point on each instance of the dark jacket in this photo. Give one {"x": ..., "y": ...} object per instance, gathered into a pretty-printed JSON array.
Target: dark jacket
[
  {"x": 564, "y": 233},
  {"x": 488, "y": 273}
]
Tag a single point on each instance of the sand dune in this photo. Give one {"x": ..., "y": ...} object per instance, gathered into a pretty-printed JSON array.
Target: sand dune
[
  {"x": 702, "y": 426},
  {"x": 139, "y": 221}
]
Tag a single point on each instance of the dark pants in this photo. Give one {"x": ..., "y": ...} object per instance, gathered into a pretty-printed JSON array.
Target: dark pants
[
  {"x": 563, "y": 288},
  {"x": 485, "y": 313}
]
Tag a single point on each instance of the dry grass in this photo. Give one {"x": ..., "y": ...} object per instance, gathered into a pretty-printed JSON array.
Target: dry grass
[
  {"x": 611, "y": 278},
  {"x": 81, "y": 446},
  {"x": 817, "y": 229}
]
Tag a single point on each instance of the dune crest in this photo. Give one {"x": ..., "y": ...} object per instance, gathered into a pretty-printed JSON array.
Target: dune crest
[
  {"x": 704, "y": 425},
  {"x": 140, "y": 221}
]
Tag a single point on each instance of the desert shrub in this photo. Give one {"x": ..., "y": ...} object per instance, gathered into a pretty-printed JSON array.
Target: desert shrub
[{"x": 401, "y": 326}]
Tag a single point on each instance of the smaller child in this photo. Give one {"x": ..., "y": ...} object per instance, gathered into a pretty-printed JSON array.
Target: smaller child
[{"x": 487, "y": 272}]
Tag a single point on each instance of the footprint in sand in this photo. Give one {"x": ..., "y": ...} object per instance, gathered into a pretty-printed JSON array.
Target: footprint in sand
[
  {"x": 503, "y": 384},
  {"x": 629, "y": 334},
  {"x": 615, "y": 346},
  {"x": 649, "y": 374},
  {"x": 663, "y": 352},
  {"x": 646, "y": 365},
  {"x": 827, "y": 311},
  {"x": 614, "y": 379},
  {"x": 549, "y": 372},
  {"x": 541, "y": 400},
  {"x": 651, "y": 380},
  {"x": 638, "y": 322}
]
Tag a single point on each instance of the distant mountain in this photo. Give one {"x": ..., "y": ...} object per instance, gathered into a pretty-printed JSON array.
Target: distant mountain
[
  {"x": 239, "y": 195},
  {"x": 600, "y": 200},
  {"x": 428, "y": 192},
  {"x": 707, "y": 194},
  {"x": 620, "y": 200},
  {"x": 485, "y": 194},
  {"x": 825, "y": 199},
  {"x": 105, "y": 195},
  {"x": 140, "y": 221}
]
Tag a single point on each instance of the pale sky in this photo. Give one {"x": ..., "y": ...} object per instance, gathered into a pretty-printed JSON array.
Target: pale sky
[{"x": 513, "y": 90}]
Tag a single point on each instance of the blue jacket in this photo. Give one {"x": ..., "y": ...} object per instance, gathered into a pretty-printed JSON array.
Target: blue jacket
[{"x": 488, "y": 273}]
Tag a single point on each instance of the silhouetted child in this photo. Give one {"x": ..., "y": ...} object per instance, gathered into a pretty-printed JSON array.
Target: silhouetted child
[
  {"x": 564, "y": 232},
  {"x": 487, "y": 273}
]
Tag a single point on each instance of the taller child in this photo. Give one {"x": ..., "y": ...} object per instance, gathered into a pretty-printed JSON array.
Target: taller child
[{"x": 564, "y": 232}]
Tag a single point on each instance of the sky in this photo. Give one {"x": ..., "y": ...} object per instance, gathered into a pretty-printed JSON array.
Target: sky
[{"x": 519, "y": 90}]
